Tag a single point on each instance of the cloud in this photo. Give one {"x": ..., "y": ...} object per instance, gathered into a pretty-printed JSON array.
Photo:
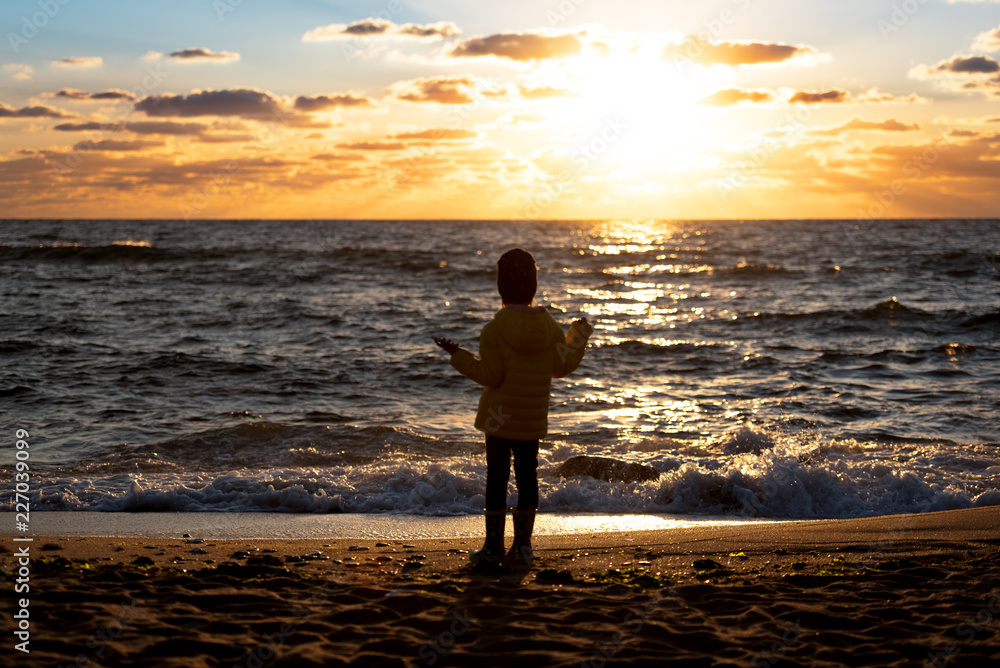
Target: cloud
[
  {"x": 543, "y": 92},
  {"x": 21, "y": 72},
  {"x": 519, "y": 46},
  {"x": 116, "y": 145},
  {"x": 76, "y": 61},
  {"x": 373, "y": 146},
  {"x": 82, "y": 95},
  {"x": 436, "y": 134},
  {"x": 376, "y": 27},
  {"x": 734, "y": 53},
  {"x": 323, "y": 102},
  {"x": 226, "y": 139},
  {"x": 889, "y": 125},
  {"x": 732, "y": 96},
  {"x": 31, "y": 112},
  {"x": 827, "y": 97},
  {"x": 964, "y": 73},
  {"x": 988, "y": 41},
  {"x": 242, "y": 102},
  {"x": 138, "y": 127},
  {"x": 838, "y": 96},
  {"x": 165, "y": 128},
  {"x": 968, "y": 65},
  {"x": 330, "y": 157},
  {"x": 194, "y": 54},
  {"x": 442, "y": 90}
]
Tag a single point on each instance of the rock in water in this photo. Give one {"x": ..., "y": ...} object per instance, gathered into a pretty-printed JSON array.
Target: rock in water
[{"x": 605, "y": 468}]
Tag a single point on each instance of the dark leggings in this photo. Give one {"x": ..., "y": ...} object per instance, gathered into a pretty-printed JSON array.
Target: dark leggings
[{"x": 498, "y": 472}]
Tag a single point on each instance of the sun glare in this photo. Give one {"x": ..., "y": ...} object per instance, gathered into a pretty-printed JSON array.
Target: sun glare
[{"x": 655, "y": 103}]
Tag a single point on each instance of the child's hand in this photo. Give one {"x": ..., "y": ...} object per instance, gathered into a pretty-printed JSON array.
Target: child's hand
[
  {"x": 585, "y": 326},
  {"x": 447, "y": 345}
]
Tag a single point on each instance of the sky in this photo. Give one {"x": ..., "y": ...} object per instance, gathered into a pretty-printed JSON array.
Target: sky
[{"x": 526, "y": 109}]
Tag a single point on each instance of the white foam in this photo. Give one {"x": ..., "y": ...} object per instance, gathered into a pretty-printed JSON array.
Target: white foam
[{"x": 793, "y": 478}]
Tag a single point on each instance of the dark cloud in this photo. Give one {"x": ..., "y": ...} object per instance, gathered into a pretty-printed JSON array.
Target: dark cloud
[
  {"x": 368, "y": 27},
  {"x": 116, "y": 145},
  {"x": 323, "y": 102},
  {"x": 731, "y": 96},
  {"x": 114, "y": 94},
  {"x": 84, "y": 96},
  {"x": 733, "y": 53},
  {"x": 828, "y": 97},
  {"x": 889, "y": 125},
  {"x": 31, "y": 112},
  {"x": 519, "y": 46},
  {"x": 437, "y": 134},
  {"x": 92, "y": 125},
  {"x": 73, "y": 94},
  {"x": 373, "y": 146},
  {"x": 165, "y": 128},
  {"x": 192, "y": 54},
  {"x": 375, "y": 27},
  {"x": 242, "y": 102},
  {"x": 968, "y": 65},
  {"x": 138, "y": 127},
  {"x": 440, "y": 29}
]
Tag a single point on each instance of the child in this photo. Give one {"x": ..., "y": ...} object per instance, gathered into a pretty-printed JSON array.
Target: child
[{"x": 520, "y": 351}]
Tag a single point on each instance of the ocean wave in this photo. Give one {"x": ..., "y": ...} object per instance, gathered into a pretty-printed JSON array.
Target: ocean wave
[
  {"x": 119, "y": 251},
  {"x": 750, "y": 473}
]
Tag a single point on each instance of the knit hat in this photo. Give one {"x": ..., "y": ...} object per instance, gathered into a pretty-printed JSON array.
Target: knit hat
[{"x": 517, "y": 277}]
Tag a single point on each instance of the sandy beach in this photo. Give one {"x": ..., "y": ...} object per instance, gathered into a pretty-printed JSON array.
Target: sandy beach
[{"x": 907, "y": 590}]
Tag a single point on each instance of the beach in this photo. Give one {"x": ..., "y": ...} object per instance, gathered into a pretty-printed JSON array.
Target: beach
[{"x": 903, "y": 590}]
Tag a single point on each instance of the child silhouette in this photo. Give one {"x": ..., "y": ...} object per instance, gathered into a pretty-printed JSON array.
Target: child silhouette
[{"x": 520, "y": 351}]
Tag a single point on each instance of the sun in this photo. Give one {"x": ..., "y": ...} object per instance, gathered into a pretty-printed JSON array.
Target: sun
[{"x": 652, "y": 101}]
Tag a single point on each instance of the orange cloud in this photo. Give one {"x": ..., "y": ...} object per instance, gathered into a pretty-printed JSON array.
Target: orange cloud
[
  {"x": 519, "y": 46},
  {"x": 115, "y": 145},
  {"x": 373, "y": 146},
  {"x": 827, "y": 97},
  {"x": 734, "y": 53},
  {"x": 889, "y": 125},
  {"x": 435, "y": 134},
  {"x": 442, "y": 90},
  {"x": 543, "y": 92},
  {"x": 732, "y": 96}
]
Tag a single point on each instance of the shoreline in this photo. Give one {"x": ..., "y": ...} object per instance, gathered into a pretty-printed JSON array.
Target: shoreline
[
  {"x": 897, "y": 590},
  {"x": 260, "y": 525}
]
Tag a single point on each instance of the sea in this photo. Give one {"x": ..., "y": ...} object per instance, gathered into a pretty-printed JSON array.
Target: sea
[{"x": 794, "y": 369}]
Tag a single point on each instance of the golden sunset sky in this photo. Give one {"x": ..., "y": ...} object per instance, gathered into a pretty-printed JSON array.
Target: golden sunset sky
[{"x": 541, "y": 109}]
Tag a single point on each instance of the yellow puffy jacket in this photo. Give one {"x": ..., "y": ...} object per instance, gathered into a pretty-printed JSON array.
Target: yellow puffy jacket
[{"x": 520, "y": 351}]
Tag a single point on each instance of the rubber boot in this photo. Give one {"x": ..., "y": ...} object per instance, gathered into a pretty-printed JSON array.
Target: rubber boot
[
  {"x": 524, "y": 524},
  {"x": 493, "y": 547}
]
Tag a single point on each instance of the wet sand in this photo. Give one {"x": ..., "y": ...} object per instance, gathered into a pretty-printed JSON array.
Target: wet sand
[{"x": 907, "y": 590}]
